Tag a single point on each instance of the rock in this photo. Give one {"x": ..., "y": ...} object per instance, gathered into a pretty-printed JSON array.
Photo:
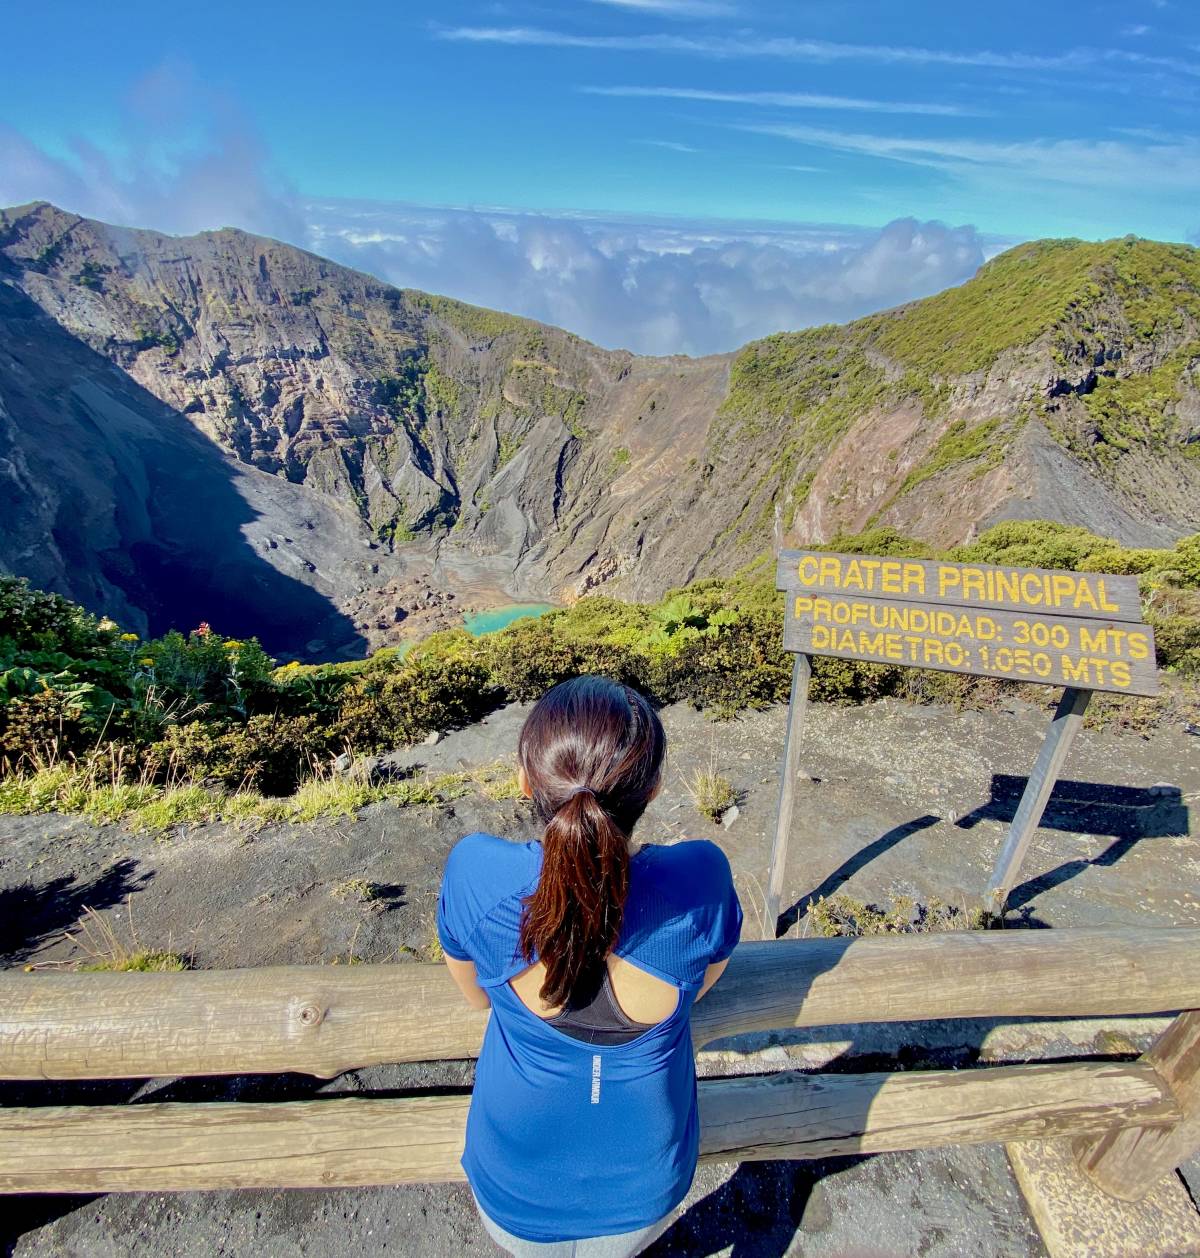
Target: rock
[
  {"x": 432, "y": 739},
  {"x": 343, "y": 763},
  {"x": 730, "y": 816},
  {"x": 1164, "y": 788}
]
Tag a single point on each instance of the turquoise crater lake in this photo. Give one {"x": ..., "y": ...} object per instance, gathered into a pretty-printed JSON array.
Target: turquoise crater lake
[{"x": 496, "y": 618}]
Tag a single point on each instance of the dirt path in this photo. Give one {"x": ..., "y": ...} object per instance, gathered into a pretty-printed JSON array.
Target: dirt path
[{"x": 906, "y": 801}]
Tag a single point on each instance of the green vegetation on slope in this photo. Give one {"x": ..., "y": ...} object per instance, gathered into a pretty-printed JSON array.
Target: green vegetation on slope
[
  {"x": 478, "y": 323},
  {"x": 959, "y": 444},
  {"x": 1031, "y": 289},
  {"x": 1136, "y": 409},
  {"x": 819, "y": 378},
  {"x": 196, "y": 726}
]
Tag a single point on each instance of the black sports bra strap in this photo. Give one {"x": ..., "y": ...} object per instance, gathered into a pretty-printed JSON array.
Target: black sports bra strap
[{"x": 597, "y": 1018}]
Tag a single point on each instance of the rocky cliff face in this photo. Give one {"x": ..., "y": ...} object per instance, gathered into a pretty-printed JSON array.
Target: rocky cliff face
[{"x": 375, "y": 446}]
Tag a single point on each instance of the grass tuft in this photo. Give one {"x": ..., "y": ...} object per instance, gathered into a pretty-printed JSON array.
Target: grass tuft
[{"x": 712, "y": 794}]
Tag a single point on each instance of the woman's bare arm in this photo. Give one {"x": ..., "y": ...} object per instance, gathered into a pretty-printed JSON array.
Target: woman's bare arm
[
  {"x": 463, "y": 973},
  {"x": 711, "y": 975}
]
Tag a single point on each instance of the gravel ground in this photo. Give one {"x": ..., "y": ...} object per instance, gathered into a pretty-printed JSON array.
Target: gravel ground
[{"x": 903, "y": 800}]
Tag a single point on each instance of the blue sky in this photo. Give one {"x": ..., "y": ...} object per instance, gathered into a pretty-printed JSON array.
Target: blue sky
[{"x": 677, "y": 125}]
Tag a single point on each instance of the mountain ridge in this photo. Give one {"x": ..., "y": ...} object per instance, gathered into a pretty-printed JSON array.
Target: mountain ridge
[{"x": 462, "y": 447}]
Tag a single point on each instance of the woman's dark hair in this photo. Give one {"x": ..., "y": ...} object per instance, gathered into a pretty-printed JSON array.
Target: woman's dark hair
[{"x": 592, "y": 751}]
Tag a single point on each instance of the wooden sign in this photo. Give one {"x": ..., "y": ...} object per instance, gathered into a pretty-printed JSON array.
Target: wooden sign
[{"x": 1079, "y": 630}]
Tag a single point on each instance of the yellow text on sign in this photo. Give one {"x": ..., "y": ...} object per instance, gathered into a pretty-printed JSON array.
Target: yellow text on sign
[
  {"x": 1069, "y": 592},
  {"x": 1001, "y": 644}
]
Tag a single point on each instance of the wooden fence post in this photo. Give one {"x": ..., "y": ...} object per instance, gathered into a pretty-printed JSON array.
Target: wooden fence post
[
  {"x": 1129, "y": 1161},
  {"x": 797, "y": 709},
  {"x": 1068, "y": 717}
]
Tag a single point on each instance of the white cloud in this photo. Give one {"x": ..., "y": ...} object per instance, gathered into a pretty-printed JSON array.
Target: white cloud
[
  {"x": 785, "y": 100},
  {"x": 784, "y": 47},
  {"x": 654, "y": 287},
  {"x": 674, "y": 8},
  {"x": 674, "y": 145},
  {"x": 1171, "y": 165},
  {"x": 221, "y": 175},
  {"x": 787, "y": 48}
]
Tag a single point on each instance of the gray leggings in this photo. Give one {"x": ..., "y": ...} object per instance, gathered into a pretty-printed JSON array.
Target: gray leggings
[{"x": 624, "y": 1245}]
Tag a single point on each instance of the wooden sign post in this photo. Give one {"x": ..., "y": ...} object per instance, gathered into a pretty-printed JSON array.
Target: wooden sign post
[{"x": 1079, "y": 630}]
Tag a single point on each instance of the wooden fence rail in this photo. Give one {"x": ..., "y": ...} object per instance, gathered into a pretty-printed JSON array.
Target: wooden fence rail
[
  {"x": 355, "y": 1142},
  {"x": 322, "y": 1021}
]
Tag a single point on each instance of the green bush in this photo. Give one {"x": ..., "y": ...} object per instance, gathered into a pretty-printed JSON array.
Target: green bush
[
  {"x": 34, "y": 619},
  {"x": 201, "y": 669},
  {"x": 267, "y": 753},
  {"x": 210, "y": 708},
  {"x": 430, "y": 692},
  {"x": 526, "y": 659},
  {"x": 42, "y": 726},
  {"x": 883, "y": 540},
  {"x": 1175, "y": 617}
]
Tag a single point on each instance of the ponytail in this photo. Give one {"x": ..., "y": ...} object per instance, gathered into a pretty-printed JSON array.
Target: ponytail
[{"x": 592, "y": 751}]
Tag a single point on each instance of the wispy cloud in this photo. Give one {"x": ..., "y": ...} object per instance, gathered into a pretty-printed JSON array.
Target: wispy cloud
[
  {"x": 1167, "y": 166},
  {"x": 787, "y": 48},
  {"x": 674, "y": 8},
  {"x": 673, "y": 145},
  {"x": 782, "y": 47},
  {"x": 786, "y": 100}
]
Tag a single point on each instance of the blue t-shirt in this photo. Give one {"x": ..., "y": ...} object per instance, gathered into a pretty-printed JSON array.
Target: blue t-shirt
[{"x": 567, "y": 1139}]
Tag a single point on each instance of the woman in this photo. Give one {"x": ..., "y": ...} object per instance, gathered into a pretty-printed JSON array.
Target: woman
[{"x": 582, "y": 1135}]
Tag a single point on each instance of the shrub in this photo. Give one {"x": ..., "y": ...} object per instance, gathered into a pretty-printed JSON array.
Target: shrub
[
  {"x": 267, "y": 753},
  {"x": 46, "y": 724},
  {"x": 203, "y": 669},
  {"x": 527, "y": 658},
  {"x": 430, "y": 692},
  {"x": 35, "y": 619},
  {"x": 852, "y": 681},
  {"x": 883, "y": 540},
  {"x": 1175, "y": 617}
]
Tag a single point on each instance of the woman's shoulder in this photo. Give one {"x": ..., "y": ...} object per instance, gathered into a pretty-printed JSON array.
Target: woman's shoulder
[
  {"x": 693, "y": 869},
  {"x": 494, "y": 862},
  {"x": 683, "y": 911}
]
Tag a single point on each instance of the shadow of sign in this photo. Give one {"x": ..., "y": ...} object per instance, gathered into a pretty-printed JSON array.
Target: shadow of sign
[
  {"x": 844, "y": 872},
  {"x": 1125, "y": 812}
]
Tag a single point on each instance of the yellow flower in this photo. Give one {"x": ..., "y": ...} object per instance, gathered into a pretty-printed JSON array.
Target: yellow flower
[
  {"x": 129, "y": 637},
  {"x": 106, "y": 625},
  {"x": 146, "y": 663},
  {"x": 232, "y": 644}
]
